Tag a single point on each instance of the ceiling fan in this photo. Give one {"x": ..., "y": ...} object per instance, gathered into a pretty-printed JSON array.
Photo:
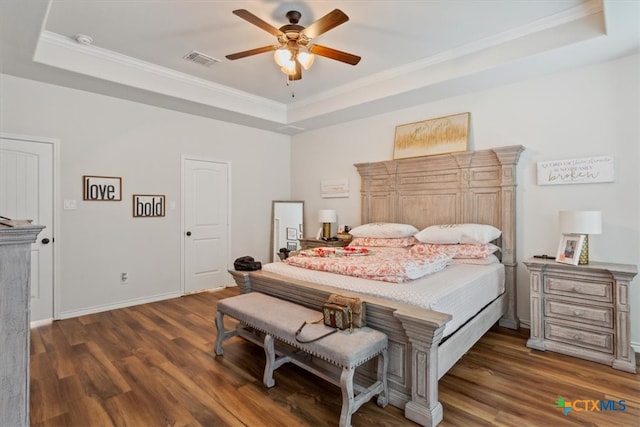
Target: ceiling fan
[{"x": 293, "y": 51}]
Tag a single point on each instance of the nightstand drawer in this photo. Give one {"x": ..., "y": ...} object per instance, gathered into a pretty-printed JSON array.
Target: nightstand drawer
[
  {"x": 601, "y": 341},
  {"x": 596, "y": 291},
  {"x": 598, "y": 316}
]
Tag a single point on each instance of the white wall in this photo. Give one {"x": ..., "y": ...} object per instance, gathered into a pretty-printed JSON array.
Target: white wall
[
  {"x": 142, "y": 144},
  {"x": 584, "y": 112}
]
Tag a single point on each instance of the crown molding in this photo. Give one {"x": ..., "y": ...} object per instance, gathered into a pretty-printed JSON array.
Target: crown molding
[
  {"x": 568, "y": 16},
  {"x": 64, "y": 52}
]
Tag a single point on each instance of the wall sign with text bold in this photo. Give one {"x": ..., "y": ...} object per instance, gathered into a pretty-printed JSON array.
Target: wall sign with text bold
[
  {"x": 146, "y": 205},
  {"x": 102, "y": 188}
]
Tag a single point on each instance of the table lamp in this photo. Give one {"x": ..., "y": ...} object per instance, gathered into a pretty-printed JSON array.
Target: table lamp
[
  {"x": 326, "y": 217},
  {"x": 581, "y": 222}
]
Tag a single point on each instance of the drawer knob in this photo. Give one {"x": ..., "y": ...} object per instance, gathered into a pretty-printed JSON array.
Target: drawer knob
[
  {"x": 577, "y": 312},
  {"x": 577, "y": 337},
  {"x": 575, "y": 289}
]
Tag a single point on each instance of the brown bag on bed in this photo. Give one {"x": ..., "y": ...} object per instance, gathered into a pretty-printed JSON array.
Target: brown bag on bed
[{"x": 344, "y": 312}]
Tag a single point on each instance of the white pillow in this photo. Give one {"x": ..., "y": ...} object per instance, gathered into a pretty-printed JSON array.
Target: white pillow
[
  {"x": 447, "y": 234},
  {"x": 384, "y": 230}
]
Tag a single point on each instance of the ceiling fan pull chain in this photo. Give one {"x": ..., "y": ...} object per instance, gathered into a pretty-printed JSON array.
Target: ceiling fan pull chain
[{"x": 290, "y": 83}]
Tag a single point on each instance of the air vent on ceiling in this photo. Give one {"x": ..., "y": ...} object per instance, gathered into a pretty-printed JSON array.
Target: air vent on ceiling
[{"x": 200, "y": 58}]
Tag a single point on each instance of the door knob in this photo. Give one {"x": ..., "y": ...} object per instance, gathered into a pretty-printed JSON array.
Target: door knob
[
  {"x": 188, "y": 233},
  {"x": 45, "y": 241}
]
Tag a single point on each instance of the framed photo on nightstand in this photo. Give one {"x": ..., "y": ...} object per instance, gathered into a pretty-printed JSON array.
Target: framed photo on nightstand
[{"x": 569, "y": 248}]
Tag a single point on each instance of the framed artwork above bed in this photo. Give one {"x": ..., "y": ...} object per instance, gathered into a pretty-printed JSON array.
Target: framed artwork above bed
[{"x": 434, "y": 136}]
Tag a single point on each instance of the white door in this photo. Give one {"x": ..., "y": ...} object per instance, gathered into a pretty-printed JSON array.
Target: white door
[
  {"x": 205, "y": 234},
  {"x": 26, "y": 192}
]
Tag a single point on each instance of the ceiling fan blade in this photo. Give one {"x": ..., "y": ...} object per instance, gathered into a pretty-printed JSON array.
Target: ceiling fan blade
[
  {"x": 337, "y": 55},
  {"x": 324, "y": 24},
  {"x": 298, "y": 74},
  {"x": 253, "y": 19},
  {"x": 251, "y": 52}
]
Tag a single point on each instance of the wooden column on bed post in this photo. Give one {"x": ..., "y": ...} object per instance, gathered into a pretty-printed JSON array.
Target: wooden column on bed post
[
  {"x": 508, "y": 157},
  {"x": 424, "y": 407}
]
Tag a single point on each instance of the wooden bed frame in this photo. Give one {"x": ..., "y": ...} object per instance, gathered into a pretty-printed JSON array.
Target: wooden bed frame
[{"x": 467, "y": 187}]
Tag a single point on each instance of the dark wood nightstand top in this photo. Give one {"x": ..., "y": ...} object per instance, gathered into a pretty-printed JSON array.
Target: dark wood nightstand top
[{"x": 315, "y": 243}]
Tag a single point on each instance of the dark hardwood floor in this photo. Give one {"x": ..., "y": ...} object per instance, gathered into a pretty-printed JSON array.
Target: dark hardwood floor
[{"x": 153, "y": 365}]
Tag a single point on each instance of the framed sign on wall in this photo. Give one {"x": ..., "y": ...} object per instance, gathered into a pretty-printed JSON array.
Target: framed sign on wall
[
  {"x": 148, "y": 205},
  {"x": 584, "y": 170},
  {"x": 101, "y": 188}
]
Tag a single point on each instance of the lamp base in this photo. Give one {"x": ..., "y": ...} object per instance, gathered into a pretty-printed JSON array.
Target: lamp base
[
  {"x": 584, "y": 253},
  {"x": 326, "y": 230}
]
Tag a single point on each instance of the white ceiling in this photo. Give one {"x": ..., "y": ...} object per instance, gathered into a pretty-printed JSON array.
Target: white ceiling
[{"x": 412, "y": 52}]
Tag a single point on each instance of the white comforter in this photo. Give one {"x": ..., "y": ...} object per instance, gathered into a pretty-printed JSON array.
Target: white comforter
[{"x": 460, "y": 289}]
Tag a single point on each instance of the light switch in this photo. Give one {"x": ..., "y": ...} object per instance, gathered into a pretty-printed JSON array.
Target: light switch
[{"x": 70, "y": 205}]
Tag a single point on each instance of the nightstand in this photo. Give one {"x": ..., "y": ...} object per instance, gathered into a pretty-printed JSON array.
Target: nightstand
[
  {"x": 582, "y": 311},
  {"x": 315, "y": 243}
]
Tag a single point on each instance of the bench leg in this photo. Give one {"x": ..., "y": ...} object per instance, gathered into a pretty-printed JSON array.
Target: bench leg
[
  {"x": 272, "y": 362},
  {"x": 348, "y": 399},
  {"x": 383, "y": 362},
  {"x": 269, "y": 367},
  {"x": 222, "y": 334}
]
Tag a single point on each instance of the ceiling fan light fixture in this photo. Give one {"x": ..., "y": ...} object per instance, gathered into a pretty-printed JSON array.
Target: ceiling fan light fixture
[
  {"x": 289, "y": 67},
  {"x": 282, "y": 56},
  {"x": 306, "y": 59},
  {"x": 293, "y": 52}
]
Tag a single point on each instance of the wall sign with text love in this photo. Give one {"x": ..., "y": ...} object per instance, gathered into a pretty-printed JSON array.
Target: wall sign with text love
[
  {"x": 576, "y": 171},
  {"x": 102, "y": 188}
]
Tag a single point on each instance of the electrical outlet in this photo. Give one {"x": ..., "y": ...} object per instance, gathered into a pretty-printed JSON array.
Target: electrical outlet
[{"x": 124, "y": 278}]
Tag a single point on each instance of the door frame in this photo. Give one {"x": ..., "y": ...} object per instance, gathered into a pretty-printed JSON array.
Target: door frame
[
  {"x": 184, "y": 158},
  {"x": 55, "y": 143}
]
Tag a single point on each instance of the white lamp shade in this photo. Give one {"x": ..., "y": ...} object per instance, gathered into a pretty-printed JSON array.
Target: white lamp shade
[
  {"x": 327, "y": 215},
  {"x": 581, "y": 222}
]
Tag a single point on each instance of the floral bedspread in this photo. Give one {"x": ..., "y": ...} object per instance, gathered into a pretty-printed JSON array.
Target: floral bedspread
[
  {"x": 336, "y": 252},
  {"x": 394, "y": 265}
]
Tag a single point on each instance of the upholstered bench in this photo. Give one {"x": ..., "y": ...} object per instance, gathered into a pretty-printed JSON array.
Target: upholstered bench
[{"x": 279, "y": 319}]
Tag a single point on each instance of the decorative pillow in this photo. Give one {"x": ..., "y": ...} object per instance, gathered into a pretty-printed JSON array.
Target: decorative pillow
[
  {"x": 491, "y": 259},
  {"x": 383, "y": 230},
  {"x": 476, "y": 234},
  {"x": 400, "y": 242},
  {"x": 462, "y": 250}
]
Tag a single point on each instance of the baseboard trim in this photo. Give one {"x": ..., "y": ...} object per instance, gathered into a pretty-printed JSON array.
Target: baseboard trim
[
  {"x": 38, "y": 323},
  {"x": 121, "y": 304}
]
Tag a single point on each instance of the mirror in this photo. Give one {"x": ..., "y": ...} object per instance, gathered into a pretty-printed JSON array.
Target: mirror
[{"x": 286, "y": 226}]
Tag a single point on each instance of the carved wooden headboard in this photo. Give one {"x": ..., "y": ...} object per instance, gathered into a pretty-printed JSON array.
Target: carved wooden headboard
[{"x": 467, "y": 187}]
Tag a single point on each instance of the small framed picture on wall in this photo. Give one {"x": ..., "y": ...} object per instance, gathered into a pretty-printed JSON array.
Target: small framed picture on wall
[
  {"x": 292, "y": 233},
  {"x": 569, "y": 248},
  {"x": 148, "y": 205},
  {"x": 102, "y": 188}
]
